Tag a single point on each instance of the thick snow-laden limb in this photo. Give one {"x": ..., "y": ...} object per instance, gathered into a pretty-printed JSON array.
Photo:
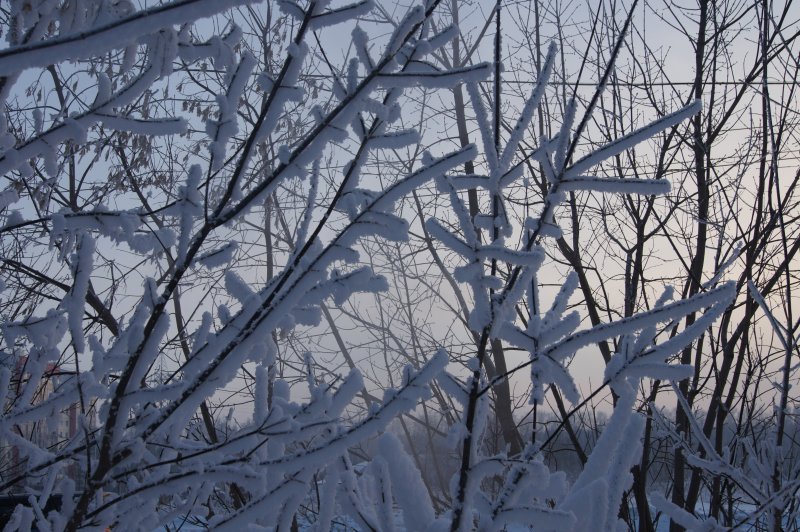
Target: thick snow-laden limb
[
  {"x": 536, "y": 518},
  {"x": 558, "y": 349},
  {"x": 218, "y": 257},
  {"x": 632, "y": 139},
  {"x": 73, "y": 303},
  {"x": 7, "y": 198},
  {"x": 394, "y": 140},
  {"x": 531, "y": 104},
  {"x": 412, "y": 496},
  {"x": 433, "y": 78},
  {"x": 682, "y": 517},
  {"x": 331, "y": 17},
  {"x": 226, "y": 126},
  {"x": 643, "y": 187},
  {"x": 785, "y": 336},
  {"x": 672, "y": 311},
  {"x": 620, "y": 461},
  {"x": 218, "y": 48},
  {"x": 167, "y": 126},
  {"x": 67, "y": 227}
]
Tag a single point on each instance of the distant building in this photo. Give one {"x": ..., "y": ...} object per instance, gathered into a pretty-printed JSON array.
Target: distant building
[{"x": 51, "y": 434}]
